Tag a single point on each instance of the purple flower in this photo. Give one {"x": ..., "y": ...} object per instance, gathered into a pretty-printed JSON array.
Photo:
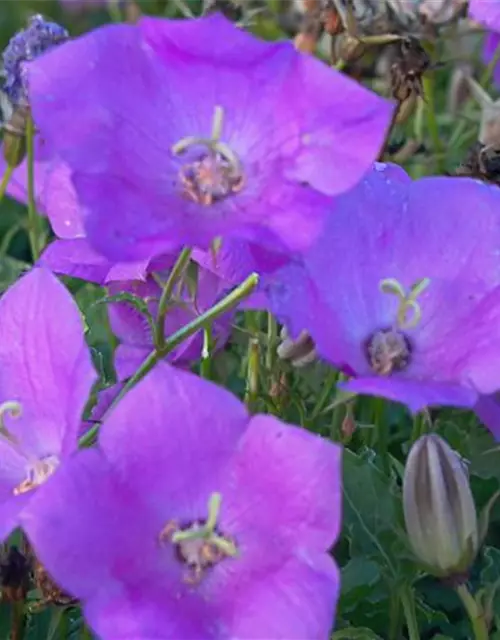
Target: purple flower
[
  {"x": 134, "y": 331},
  {"x": 166, "y": 530},
  {"x": 190, "y": 130},
  {"x": 402, "y": 289},
  {"x": 40, "y": 36},
  {"x": 46, "y": 375},
  {"x": 487, "y": 12},
  {"x": 70, "y": 254}
]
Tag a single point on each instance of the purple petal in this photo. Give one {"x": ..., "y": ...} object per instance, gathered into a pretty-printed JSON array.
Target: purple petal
[
  {"x": 77, "y": 259},
  {"x": 55, "y": 195},
  {"x": 491, "y": 44},
  {"x": 178, "y": 447},
  {"x": 416, "y": 394},
  {"x": 298, "y": 601},
  {"x": 44, "y": 363},
  {"x": 487, "y": 410},
  {"x": 297, "y": 493},
  {"x": 486, "y": 12}
]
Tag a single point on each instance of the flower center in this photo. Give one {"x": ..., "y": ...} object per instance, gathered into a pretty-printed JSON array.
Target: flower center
[
  {"x": 38, "y": 473},
  {"x": 216, "y": 173},
  {"x": 200, "y": 546},
  {"x": 389, "y": 350},
  {"x": 37, "y": 470}
]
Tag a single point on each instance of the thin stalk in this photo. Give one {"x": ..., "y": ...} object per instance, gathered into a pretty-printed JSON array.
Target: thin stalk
[
  {"x": 475, "y": 613},
  {"x": 253, "y": 366},
  {"x": 410, "y": 613},
  {"x": 272, "y": 339},
  {"x": 206, "y": 354},
  {"x": 432, "y": 124},
  {"x": 381, "y": 432},
  {"x": 328, "y": 386},
  {"x": 18, "y": 627},
  {"x": 206, "y": 319},
  {"x": 174, "y": 275},
  {"x": 5, "y": 180},
  {"x": 490, "y": 69},
  {"x": 33, "y": 220}
]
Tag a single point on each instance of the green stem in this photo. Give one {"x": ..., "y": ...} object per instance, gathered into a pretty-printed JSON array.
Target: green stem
[
  {"x": 32, "y": 214},
  {"x": 252, "y": 386},
  {"x": 205, "y": 319},
  {"x": 174, "y": 275},
  {"x": 5, "y": 180},
  {"x": 381, "y": 432},
  {"x": 206, "y": 354},
  {"x": 410, "y": 613},
  {"x": 272, "y": 339},
  {"x": 475, "y": 613},
  {"x": 327, "y": 391},
  {"x": 490, "y": 69},
  {"x": 432, "y": 124}
]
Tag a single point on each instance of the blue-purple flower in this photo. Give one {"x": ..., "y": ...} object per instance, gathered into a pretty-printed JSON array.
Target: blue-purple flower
[
  {"x": 167, "y": 531},
  {"x": 401, "y": 291},
  {"x": 193, "y": 129},
  {"x": 46, "y": 375}
]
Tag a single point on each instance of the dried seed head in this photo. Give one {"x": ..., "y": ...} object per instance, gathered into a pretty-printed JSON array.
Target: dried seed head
[{"x": 39, "y": 36}]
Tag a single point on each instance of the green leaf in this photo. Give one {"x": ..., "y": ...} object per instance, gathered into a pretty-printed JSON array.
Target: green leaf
[
  {"x": 355, "y": 633},
  {"x": 10, "y": 270},
  {"x": 373, "y": 520}
]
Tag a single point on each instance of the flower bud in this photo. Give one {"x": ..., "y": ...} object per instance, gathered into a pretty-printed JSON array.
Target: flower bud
[
  {"x": 299, "y": 352},
  {"x": 439, "y": 509}
]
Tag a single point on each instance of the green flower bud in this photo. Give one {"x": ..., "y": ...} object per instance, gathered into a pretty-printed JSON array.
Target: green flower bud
[{"x": 439, "y": 510}]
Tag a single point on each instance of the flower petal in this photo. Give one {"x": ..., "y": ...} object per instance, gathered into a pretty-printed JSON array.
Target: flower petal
[
  {"x": 416, "y": 394},
  {"x": 178, "y": 435},
  {"x": 44, "y": 363}
]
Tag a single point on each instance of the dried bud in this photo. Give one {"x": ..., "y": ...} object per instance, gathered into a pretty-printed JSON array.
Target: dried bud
[
  {"x": 439, "y": 509},
  {"x": 406, "y": 76},
  {"x": 299, "y": 352}
]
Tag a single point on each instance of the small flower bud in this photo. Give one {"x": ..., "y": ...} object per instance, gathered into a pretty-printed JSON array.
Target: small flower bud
[
  {"x": 439, "y": 509},
  {"x": 299, "y": 352},
  {"x": 14, "y": 138}
]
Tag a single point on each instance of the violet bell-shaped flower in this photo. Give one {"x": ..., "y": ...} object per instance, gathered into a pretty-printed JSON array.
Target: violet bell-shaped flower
[
  {"x": 439, "y": 509},
  {"x": 165, "y": 530},
  {"x": 46, "y": 375},
  {"x": 190, "y": 130},
  {"x": 397, "y": 295}
]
